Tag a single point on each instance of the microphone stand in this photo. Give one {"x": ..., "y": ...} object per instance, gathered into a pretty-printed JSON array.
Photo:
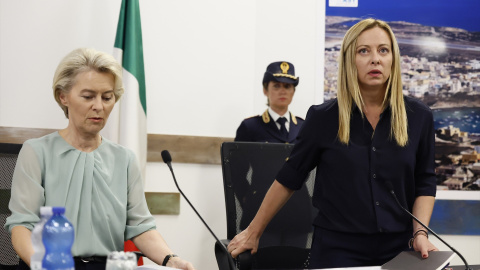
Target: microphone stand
[
  {"x": 390, "y": 187},
  {"x": 168, "y": 160}
]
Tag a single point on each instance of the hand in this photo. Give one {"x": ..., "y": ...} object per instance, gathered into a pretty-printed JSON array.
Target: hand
[
  {"x": 243, "y": 241},
  {"x": 177, "y": 262},
  {"x": 422, "y": 244}
]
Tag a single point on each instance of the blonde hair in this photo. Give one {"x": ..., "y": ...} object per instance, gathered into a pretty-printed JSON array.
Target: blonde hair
[
  {"x": 348, "y": 90},
  {"x": 81, "y": 60}
]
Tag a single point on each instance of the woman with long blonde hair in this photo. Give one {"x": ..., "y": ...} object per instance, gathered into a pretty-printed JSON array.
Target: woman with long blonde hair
[{"x": 368, "y": 141}]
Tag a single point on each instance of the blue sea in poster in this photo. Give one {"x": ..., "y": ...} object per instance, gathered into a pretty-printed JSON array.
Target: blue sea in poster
[
  {"x": 445, "y": 218},
  {"x": 460, "y": 13},
  {"x": 466, "y": 119}
]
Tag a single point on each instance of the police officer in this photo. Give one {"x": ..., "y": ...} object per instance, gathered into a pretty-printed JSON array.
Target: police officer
[
  {"x": 279, "y": 84},
  {"x": 277, "y": 124}
]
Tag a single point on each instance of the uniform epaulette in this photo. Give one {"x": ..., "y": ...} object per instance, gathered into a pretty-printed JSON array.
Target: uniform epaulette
[
  {"x": 266, "y": 117},
  {"x": 294, "y": 118},
  {"x": 298, "y": 117},
  {"x": 252, "y": 117}
]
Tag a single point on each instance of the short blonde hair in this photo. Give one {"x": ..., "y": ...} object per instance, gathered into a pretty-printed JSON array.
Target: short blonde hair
[
  {"x": 348, "y": 90},
  {"x": 81, "y": 60}
]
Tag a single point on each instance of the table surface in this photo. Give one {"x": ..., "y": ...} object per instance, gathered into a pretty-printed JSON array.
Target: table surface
[{"x": 456, "y": 267}]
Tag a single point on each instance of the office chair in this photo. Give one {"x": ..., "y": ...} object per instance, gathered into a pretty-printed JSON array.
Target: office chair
[
  {"x": 8, "y": 159},
  {"x": 249, "y": 169}
]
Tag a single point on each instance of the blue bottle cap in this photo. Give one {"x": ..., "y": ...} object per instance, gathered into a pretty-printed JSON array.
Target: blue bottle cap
[{"x": 58, "y": 210}]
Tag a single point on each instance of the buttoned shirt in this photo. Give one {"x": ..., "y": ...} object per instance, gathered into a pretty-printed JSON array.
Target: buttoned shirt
[{"x": 350, "y": 190}]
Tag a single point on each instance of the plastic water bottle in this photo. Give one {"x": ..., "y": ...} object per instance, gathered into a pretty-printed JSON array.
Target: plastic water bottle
[
  {"x": 58, "y": 236},
  {"x": 39, "y": 249}
]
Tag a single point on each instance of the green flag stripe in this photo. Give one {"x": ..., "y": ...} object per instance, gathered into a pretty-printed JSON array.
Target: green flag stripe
[{"x": 129, "y": 40}]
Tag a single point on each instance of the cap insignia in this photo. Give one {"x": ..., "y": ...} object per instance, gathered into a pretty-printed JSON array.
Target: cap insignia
[{"x": 284, "y": 66}]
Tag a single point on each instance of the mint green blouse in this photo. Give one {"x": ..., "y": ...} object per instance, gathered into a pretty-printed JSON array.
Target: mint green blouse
[{"x": 102, "y": 192}]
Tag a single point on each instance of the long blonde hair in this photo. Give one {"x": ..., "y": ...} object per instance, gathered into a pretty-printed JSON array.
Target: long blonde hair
[{"x": 348, "y": 90}]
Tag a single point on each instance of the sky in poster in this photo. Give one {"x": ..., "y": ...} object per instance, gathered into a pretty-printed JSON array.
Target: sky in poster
[{"x": 452, "y": 13}]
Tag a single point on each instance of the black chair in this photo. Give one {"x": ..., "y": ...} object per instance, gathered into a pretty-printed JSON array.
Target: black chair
[
  {"x": 8, "y": 159},
  {"x": 249, "y": 169}
]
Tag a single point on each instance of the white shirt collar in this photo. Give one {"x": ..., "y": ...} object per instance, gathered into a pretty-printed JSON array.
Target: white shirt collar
[{"x": 275, "y": 115}]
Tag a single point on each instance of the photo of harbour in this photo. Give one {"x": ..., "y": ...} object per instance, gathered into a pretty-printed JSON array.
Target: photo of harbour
[{"x": 440, "y": 66}]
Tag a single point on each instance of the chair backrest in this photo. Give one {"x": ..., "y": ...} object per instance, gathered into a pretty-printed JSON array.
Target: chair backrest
[
  {"x": 8, "y": 159},
  {"x": 249, "y": 169}
]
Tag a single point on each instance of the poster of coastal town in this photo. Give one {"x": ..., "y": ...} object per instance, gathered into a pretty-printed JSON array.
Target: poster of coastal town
[{"x": 440, "y": 46}]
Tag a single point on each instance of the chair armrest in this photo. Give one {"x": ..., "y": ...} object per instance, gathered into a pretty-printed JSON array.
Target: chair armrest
[
  {"x": 245, "y": 260},
  {"x": 225, "y": 260}
]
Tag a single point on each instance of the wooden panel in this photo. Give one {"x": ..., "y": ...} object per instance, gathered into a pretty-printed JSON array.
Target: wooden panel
[
  {"x": 185, "y": 149},
  {"x": 20, "y": 135},
  {"x": 163, "y": 203}
]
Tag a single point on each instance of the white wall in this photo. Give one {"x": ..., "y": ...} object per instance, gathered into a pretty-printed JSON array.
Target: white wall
[{"x": 204, "y": 62}]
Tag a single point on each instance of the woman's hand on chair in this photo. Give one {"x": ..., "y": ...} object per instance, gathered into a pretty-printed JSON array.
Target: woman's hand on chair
[{"x": 246, "y": 240}]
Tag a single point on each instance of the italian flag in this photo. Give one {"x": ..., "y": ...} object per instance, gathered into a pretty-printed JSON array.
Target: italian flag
[
  {"x": 127, "y": 124},
  {"x": 129, "y": 118}
]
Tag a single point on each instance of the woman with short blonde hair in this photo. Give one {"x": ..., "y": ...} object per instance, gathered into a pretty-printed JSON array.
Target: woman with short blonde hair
[
  {"x": 81, "y": 60},
  {"x": 97, "y": 181}
]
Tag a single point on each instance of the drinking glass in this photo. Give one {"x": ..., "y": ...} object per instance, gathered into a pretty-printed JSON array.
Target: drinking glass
[{"x": 119, "y": 260}]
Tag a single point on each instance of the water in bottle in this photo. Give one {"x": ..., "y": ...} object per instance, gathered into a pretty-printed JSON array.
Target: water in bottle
[
  {"x": 39, "y": 249},
  {"x": 58, "y": 236}
]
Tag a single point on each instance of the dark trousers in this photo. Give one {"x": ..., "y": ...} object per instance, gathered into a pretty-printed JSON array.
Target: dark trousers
[
  {"x": 331, "y": 249},
  {"x": 79, "y": 265},
  {"x": 287, "y": 238}
]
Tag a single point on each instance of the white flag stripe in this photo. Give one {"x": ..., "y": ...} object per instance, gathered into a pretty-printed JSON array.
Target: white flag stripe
[
  {"x": 127, "y": 124},
  {"x": 133, "y": 122}
]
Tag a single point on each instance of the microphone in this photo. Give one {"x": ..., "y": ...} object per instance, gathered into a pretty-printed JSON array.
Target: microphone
[
  {"x": 227, "y": 265},
  {"x": 390, "y": 189}
]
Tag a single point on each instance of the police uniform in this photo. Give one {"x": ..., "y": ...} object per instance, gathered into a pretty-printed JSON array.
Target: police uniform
[{"x": 262, "y": 128}]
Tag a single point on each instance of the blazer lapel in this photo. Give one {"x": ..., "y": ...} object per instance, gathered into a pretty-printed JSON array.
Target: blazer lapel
[{"x": 292, "y": 132}]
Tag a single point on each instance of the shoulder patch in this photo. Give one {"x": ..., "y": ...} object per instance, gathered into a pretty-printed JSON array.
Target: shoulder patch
[
  {"x": 294, "y": 118},
  {"x": 266, "y": 117},
  {"x": 253, "y": 116}
]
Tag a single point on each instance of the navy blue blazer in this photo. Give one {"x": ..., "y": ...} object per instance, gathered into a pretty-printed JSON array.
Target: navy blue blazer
[{"x": 262, "y": 128}]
